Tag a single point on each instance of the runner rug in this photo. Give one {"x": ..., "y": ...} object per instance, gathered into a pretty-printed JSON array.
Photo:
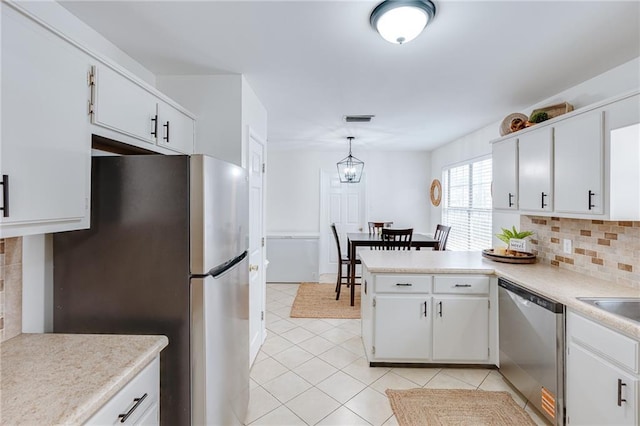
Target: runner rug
[
  {"x": 315, "y": 300},
  {"x": 434, "y": 407}
]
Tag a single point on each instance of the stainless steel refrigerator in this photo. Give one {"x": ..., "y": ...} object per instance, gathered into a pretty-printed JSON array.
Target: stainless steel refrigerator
[{"x": 166, "y": 254}]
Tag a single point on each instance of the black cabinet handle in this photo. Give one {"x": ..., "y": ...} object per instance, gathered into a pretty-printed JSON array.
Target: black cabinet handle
[
  {"x": 510, "y": 198},
  {"x": 123, "y": 417},
  {"x": 5, "y": 195},
  {"x": 365, "y": 286},
  {"x": 591, "y": 194},
  {"x": 154, "y": 132},
  {"x": 620, "y": 399},
  {"x": 166, "y": 138},
  {"x": 425, "y": 309},
  {"x": 404, "y": 284},
  {"x": 543, "y": 204},
  {"x": 440, "y": 309},
  {"x": 462, "y": 285}
]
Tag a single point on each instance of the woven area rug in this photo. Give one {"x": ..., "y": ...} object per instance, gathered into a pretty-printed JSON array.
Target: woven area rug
[
  {"x": 315, "y": 300},
  {"x": 434, "y": 407}
]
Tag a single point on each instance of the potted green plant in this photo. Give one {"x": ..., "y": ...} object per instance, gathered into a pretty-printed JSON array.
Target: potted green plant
[{"x": 508, "y": 234}]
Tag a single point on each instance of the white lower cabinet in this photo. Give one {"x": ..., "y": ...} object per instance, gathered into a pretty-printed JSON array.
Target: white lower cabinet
[
  {"x": 417, "y": 318},
  {"x": 461, "y": 328},
  {"x": 602, "y": 375},
  {"x": 406, "y": 318},
  {"x": 138, "y": 403}
]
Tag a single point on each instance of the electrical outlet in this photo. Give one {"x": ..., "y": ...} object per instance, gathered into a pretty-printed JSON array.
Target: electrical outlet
[{"x": 566, "y": 245}]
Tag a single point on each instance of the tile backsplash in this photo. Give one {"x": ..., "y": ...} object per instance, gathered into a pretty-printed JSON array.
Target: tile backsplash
[
  {"x": 605, "y": 249},
  {"x": 10, "y": 287}
]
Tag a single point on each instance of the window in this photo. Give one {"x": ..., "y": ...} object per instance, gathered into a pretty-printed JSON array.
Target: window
[{"x": 467, "y": 204}]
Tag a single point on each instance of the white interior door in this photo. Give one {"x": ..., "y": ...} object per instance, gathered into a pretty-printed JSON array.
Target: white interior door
[
  {"x": 257, "y": 289},
  {"x": 342, "y": 204}
]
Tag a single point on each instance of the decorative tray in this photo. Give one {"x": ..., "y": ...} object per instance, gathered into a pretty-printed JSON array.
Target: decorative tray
[{"x": 521, "y": 257}]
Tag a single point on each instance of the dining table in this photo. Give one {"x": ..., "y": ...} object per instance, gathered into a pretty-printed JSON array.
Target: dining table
[{"x": 364, "y": 239}]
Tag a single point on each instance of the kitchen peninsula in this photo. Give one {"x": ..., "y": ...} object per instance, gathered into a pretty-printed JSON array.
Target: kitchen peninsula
[
  {"x": 555, "y": 283},
  {"x": 436, "y": 307}
]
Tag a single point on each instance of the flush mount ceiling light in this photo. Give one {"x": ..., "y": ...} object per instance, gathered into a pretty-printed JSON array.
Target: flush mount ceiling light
[
  {"x": 400, "y": 21},
  {"x": 350, "y": 168}
]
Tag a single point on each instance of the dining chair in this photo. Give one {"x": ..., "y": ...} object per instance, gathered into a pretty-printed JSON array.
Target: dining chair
[
  {"x": 375, "y": 227},
  {"x": 442, "y": 235},
  {"x": 342, "y": 260},
  {"x": 401, "y": 238}
]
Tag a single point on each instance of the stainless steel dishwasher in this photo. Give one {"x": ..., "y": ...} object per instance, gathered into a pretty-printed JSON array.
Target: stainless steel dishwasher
[{"x": 531, "y": 340}]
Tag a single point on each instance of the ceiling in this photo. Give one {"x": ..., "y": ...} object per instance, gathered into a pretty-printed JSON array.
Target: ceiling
[{"x": 312, "y": 62}]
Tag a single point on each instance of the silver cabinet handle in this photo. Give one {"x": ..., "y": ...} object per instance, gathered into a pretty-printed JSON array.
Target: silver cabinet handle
[
  {"x": 620, "y": 399},
  {"x": 123, "y": 417},
  {"x": 404, "y": 284},
  {"x": 462, "y": 285}
]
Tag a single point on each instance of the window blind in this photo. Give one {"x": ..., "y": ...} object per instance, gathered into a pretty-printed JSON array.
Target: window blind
[{"x": 467, "y": 204}]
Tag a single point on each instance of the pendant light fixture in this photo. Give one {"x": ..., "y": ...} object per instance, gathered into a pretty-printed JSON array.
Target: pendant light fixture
[
  {"x": 350, "y": 168},
  {"x": 400, "y": 21}
]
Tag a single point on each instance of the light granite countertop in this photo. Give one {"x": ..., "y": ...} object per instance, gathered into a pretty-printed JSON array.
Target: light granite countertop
[
  {"x": 558, "y": 284},
  {"x": 65, "y": 378}
]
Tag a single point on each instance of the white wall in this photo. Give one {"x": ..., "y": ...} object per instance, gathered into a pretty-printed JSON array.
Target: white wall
[
  {"x": 216, "y": 101},
  {"x": 37, "y": 284},
  {"x": 254, "y": 117},
  {"x": 397, "y": 188},
  {"x": 618, "y": 80},
  {"x": 225, "y": 106}
]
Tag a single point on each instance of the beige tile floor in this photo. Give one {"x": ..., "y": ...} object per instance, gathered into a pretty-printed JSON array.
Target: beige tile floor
[{"x": 314, "y": 372}]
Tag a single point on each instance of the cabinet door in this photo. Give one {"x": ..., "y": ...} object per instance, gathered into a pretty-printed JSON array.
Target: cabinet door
[
  {"x": 593, "y": 389},
  {"x": 578, "y": 164},
  {"x": 139, "y": 399},
  {"x": 46, "y": 146},
  {"x": 505, "y": 174},
  {"x": 460, "y": 328},
  {"x": 535, "y": 162},
  {"x": 176, "y": 129},
  {"x": 366, "y": 311},
  {"x": 123, "y": 106},
  {"x": 402, "y": 327}
]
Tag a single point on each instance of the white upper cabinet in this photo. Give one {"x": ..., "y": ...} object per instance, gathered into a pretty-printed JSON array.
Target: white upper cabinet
[
  {"x": 505, "y": 174},
  {"x": 585, "y": 164},
  {"x": 176, "y": 129},
  {"x": 46, "y": 148},
  {"x": 535, "y": 166},
  {"x": 124, "y": 106},
  {"x": 578, "y": 165}
]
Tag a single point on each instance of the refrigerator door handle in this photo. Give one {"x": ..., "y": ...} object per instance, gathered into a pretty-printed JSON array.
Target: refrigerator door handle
[{"x": 216, "y": 271}]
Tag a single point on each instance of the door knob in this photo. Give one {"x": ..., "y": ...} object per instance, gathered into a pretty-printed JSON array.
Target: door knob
[{"x": 253, "y": 268}]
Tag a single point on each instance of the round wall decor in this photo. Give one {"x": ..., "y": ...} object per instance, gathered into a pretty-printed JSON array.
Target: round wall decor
[{"x": 436, "y": 192}]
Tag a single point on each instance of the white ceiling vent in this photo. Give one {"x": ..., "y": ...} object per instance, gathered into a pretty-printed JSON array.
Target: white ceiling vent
[{"x": 358, "y": 118}]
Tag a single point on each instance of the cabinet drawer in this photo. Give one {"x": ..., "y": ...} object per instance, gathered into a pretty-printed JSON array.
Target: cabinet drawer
[
  {"x": 403, "y": 283},
  {"x": 147, "y": 382},
  {"x": 609, "y": 343},
  {"x": 456, "y": 284}
]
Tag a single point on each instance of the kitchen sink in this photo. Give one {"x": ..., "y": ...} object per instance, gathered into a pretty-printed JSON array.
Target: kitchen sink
[{"x": 627, "y": 307}]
